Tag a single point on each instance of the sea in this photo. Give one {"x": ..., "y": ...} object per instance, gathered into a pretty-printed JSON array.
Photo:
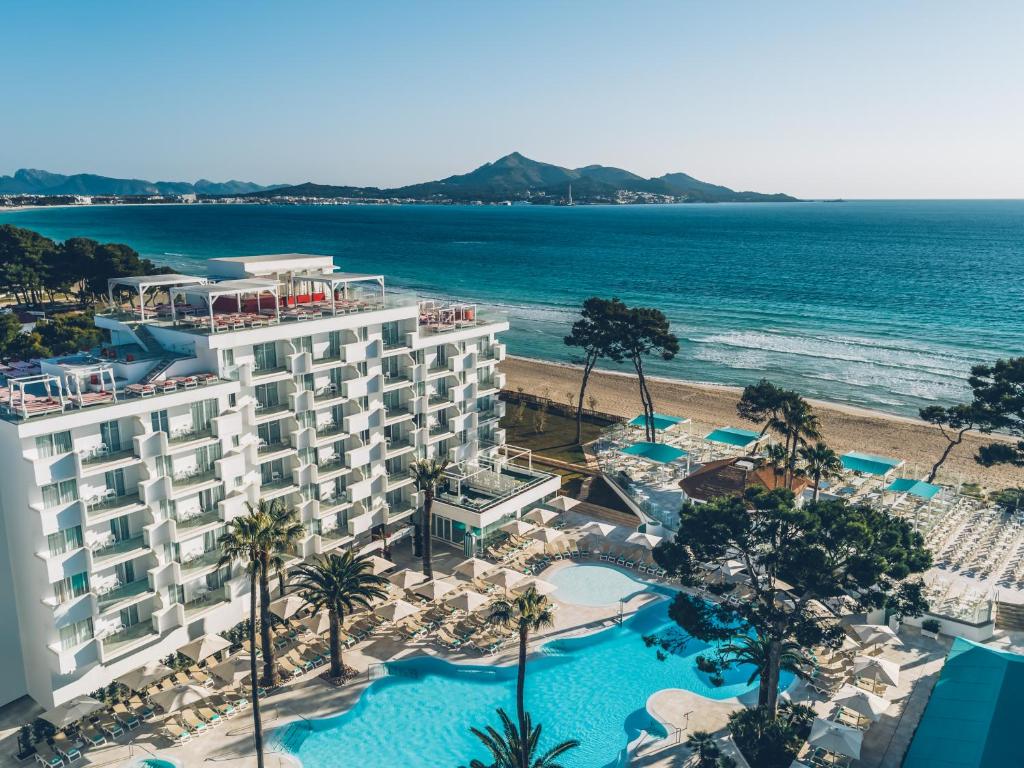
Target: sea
[{"x": 880, "y": 304}]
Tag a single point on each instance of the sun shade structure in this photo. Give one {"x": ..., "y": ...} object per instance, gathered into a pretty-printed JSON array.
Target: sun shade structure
[
  {"x": 973, "y": 716},
  {"x": 253, "y": 285},
  {"x": 661, "y": 421},
  {"x": 474, "y": 568},
  {"x": 232, "y": 671},
  {"x": 659, "y": 453},
  {"x": 517, "y": 527},
  {"x": 149, "y": 673},
  {"x": 869, "y": 464},
  {"x": 598, "y": 529},
  {"x": 734, "y": 436},
  {"x": 317, "y": 624},
  {"x": 204, "y": 646},
  {"x": 836, "y": 738},
  {"x": 917, "y": 488},
  {"x": 546, "y": 535},
  {"x": 434, "y": 590},
  {"x": 72, "y": 711},
  {"x": 145, "y": 282},
  {"x": 542, "y": 587},
  {"x": 336, "y": 281},
  {"x": 879, "y": 670},
  {"x": 407, "y": 579},
  {"x": 645, "y": 540},
  {"x": 379, "y": 565},
  {"x": 180, "y": 696},
  {"x": 873, "y": 634},
  {"x": 397, "y": 610},
  {"x": 540, "y": 516},
  {"x": 287, "y": 606},
  {"x": 467, "y": 601},
  {"x": 504, "y": 578},
  {"x": 563, "y": 503},
  {"x": 860, "y": 701}
]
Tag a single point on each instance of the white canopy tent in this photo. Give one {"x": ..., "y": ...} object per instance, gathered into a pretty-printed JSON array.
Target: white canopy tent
[
  {"x": 336, "y": 280},
  {"x": 142, "y": 283},
  {"x": 237, "y": 288}
]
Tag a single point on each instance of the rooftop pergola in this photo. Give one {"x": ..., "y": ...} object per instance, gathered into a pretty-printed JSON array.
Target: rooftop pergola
[
  {"x": 212, "y": 291},
  {"x": 336, "y": 280},
  {"x": 142, "y": 283},
  {"x": 78, "y": 379}
]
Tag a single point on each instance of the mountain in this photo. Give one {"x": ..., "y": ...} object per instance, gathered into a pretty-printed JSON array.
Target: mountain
[
  {"x": 516, "y": 177},
  {"x": 29, "y": 181}
]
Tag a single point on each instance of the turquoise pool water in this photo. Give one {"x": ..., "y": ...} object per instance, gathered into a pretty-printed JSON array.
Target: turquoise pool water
[
  {"x": 592, "y": 688},
  {"x": 588, "y": 584}
]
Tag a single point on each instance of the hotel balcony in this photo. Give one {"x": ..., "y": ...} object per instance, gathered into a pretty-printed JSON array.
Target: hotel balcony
[
  {"x": 328, "y": 395},
  {"x": 127, "y": 639},
  {"x": 113, "y": 506},
  {"x": 122, "y": 595},
  {"x": 396, "y": 413},
  {"x": 205, "y": 601},
  {"x": 275, "y": 489},
  {"x": 189, "y": 438},
  {"x": 259, "y": 374},
  {"x": 198, "y": 564},
  {"x": 329, "y": 430},
  {"x": 190, "y": 479},
  {"x": 187, "y": 527},
  {"x": 105, "y": 461},
  {"x": 267, "y": 451},
  {"x": 268, "y": 412},
  {"x": 119, "y": 551}
]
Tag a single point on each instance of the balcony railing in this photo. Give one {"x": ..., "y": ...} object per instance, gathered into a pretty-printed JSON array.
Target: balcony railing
[
  {"x": 186, "y": 479},
  {"x": 274, "y": 447},
  {"x": 119, "y": 548},
  {"x": 268, "y": 371},
  {"x": 195, "y": 521},
  {"x": 122, "y": 592},
  {"x": 207, "y": 599},
  {"x": 199, "y": 561},
  {"x": 132, "y": 634},
  {"x": 189, "y": 435},
  {"x": 270, "y": 409},
  {"x": 105, "y": 504},
  {"x": 107, "y": 456}
]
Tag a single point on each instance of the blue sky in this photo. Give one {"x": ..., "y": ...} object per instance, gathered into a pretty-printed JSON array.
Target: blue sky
[{"x": 867, "y": 99}]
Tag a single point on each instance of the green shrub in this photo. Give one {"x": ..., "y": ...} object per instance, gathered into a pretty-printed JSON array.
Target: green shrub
[
  {"x": 771, "y": 743},
  {"x": 931, "y": 625}
]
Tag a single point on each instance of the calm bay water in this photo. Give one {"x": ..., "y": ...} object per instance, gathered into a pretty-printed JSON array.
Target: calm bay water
[{"x": 881, "y": 304}]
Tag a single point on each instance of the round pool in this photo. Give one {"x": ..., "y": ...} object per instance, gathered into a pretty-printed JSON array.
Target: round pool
[
  {"x": 154, "y": 762},
  {"x": 592, "y": 584}
]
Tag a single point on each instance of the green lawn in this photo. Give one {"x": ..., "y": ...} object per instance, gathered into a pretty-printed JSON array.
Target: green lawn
[{"x": 557, "y": 441}]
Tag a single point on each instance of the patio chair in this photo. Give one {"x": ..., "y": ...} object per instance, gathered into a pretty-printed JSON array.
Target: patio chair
[
  {"x": 125, "y": 717},
  {"x": 209, "y": 716},
  {"x": 67, "y": 748},
  {"x": 192, "y": 721},
  {"x": 174, "y": 731},
  {"x": 93, "y": 735},
  {"x": 111, "y": 729},
  {"x": 46, "y": 756}
]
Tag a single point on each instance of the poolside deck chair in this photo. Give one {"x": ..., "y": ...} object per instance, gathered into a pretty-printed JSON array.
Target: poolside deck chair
[
  {"x": 192, "y": 721},
  {"x": 222, "y": 706},
  {"x": 111, "y": 729},
  {"x": 125, "y": 717},
  {"x": 46, "y": 756},
  {"x": 209, "y": 716},
  {"x": 289, "y": 669},
  {"x": 67, "y": 748},
  {"x": 176, "y": 733},
  {"x": 141, "y": 709},
  {"x": 94, "y": 736}
]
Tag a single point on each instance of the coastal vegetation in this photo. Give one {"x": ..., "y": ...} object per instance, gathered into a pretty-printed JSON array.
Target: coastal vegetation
[
  {"x": 510, "y": 749},
  {"x": 592, "y": 334},
  {"x": 997, "y": 405},
  {"x": 822, "y": 550},
  {"x": 428, "y": 475},
  {"x": 528, "y": 612},
  {"x": 341, "y": 584}
]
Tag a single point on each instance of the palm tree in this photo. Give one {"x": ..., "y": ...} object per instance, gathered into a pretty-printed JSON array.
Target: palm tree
[
  {"x": 280, "y": 530},
  {"x": 756, "y": 651},
  {"x": 530, "y": 611},
  {"x": 777, "y": 458},
  {"x": 704, "y": 746},
  {"x": 821, "y": 463},
  {"x": 341, "y": 584},
  {"x": 508, "y": 750},
  {"x": 243, "y": 541},
  {"x": 428, "y": 475},
  {"x": 798, "y": 423}
]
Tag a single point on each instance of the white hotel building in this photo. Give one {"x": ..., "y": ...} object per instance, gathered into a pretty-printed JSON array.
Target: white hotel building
[{"x": 275, "y": 378}]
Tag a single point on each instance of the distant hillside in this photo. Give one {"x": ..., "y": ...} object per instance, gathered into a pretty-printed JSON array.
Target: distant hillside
[
  {"x": 515, "y": 177},
  {"x": 28, "y": 181}
]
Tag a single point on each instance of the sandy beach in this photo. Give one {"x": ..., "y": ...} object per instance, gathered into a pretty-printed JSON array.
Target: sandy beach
[{"x": 845, "y": 428}]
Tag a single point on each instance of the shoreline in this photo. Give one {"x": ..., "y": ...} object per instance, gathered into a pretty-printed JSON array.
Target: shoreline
[{"x": 844, "y": 427}]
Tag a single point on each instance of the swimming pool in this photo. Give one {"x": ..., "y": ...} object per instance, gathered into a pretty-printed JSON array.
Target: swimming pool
[
  {"x": 587, "y": 584},
  {"x": 592, "y": 688}
]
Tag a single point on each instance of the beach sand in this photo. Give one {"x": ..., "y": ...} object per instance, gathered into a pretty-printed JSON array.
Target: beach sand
[{"x": 845, "y": 428}]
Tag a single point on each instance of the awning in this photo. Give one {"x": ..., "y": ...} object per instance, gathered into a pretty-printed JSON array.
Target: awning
[
  {"x": 735, "y": 436},
  {"x": 661, "y": 421},
  {"x": 917, "y": 488},
  {"x": 869, "y": 464},
  {"x": 659, "y": 453}
]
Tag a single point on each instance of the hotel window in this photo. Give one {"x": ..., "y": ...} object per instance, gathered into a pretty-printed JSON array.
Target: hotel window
[
  {"x": 229, "y": 357},
  {"x": 75, "y": 634},
  {"x": 64, "y": 540},
  {"x": 267, "y": 395},
  {"x": 158, "y": 420},
  {"x": 114, "y": 480},
  {"x": 334, "y": 344},
  {"x": 164, "y": 466},
  {"x": 54, "y": 444},
  {"x": 265, "y": 356},
  {"x": 56, "y": 494},
  {"x": 304, "y": 344},
  {"x": 202, "y": 414},
  {"x": 391, "y": 335},
  {"x": 71, "y": 587},
  {"x": 110, "y": 434}
]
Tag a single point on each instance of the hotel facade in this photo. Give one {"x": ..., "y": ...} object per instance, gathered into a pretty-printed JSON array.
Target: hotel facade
[{"x": 275, "y": 378}]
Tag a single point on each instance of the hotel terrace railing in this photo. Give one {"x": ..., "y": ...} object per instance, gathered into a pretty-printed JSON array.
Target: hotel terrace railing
[{"x": 122, "y": 592}]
